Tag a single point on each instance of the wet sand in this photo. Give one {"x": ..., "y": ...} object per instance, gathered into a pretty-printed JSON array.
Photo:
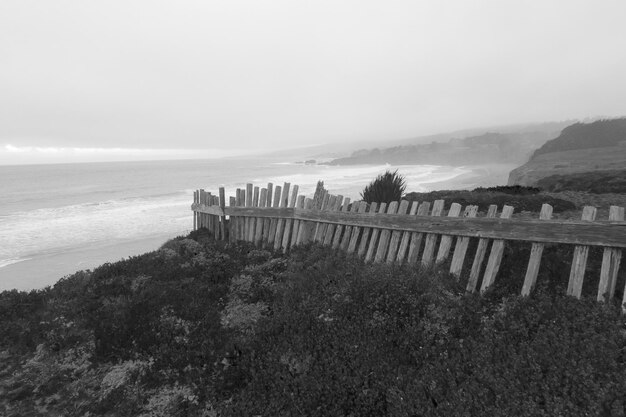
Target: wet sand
[{"x": 47, "y": 269}]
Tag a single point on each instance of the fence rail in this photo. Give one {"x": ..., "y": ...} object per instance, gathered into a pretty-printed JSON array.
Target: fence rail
[{"x": 412, "y": 232}]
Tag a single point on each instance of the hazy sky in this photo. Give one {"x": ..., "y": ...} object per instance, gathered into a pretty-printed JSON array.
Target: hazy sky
[{"x": 83, "y": 76}]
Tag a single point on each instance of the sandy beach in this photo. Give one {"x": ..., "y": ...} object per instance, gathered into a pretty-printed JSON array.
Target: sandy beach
[
  {"x": 476, "y": 176},
  {"x": 46, "y": 270},
  {"x": 97, "y": 247}
]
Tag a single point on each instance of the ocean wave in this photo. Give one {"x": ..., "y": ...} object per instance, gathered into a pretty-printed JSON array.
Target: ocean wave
[{"x": 7, "y": 262}]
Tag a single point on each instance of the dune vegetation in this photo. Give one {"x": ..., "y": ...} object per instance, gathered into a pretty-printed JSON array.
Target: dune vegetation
[{"x": 203, "y": 328}]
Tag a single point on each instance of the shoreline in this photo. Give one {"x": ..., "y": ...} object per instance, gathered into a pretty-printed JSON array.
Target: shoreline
[
  {"x": 36, "y": 272},
  {"x": 45, "y": 270},
  {"x": 477, "y": 176}
]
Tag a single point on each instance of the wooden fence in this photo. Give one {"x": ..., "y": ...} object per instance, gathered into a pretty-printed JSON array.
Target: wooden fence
[{"x": 403, "y": 232}]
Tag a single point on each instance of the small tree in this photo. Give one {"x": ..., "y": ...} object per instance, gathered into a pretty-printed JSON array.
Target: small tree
[{"x": 386, "y": 188}]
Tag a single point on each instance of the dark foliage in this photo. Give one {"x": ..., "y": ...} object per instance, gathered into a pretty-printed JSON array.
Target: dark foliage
[
  {"x": 599, "y": 134},
  {"x": 200, "y": 328},
  {"x": 508, "y": 189},
  {"x": 597, "y": 182},
  {"x": 346, "y": 339},
  {"x": 386, "y": 188}
]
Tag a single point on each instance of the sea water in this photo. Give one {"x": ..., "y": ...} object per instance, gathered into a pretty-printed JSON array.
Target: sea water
[{"x": 56, "y": 219}]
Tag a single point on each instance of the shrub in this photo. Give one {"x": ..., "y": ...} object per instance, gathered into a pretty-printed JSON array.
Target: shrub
[{"x": 386, "y": 188}]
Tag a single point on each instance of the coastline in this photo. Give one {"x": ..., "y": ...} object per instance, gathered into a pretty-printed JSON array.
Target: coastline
[
  {"x": 488, "y": 175},
  {"x": 45, "y": 270}
]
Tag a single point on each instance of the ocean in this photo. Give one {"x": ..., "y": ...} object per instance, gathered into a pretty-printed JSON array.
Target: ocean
[{"x": 57, "y": 219}]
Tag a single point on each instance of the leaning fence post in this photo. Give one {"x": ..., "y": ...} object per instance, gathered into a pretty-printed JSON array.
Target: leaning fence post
[
  {"x": 431, "y": 238},
  {"x": 479, "y": 257},
  {"x": 579, "y": 262},
  {"x": 462, "y": 242},
  {"x": 446, "y": 240},
  {"x": 497, "y": 250},
  {"x": 535, "y": 255},
  {"x": 611, "y": 259}
]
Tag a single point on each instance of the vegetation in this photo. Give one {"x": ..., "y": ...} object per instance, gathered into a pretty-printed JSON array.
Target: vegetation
[
  {"x": 200, "y": 328},
  {"x": 599, "y": 134},
  {"x": 486, "y": 148},
  {"x": 598, "y": 182},
  {"x": 386, "y": 188}
]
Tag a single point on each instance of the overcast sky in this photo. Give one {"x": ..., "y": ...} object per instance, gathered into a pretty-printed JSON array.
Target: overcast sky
[{"x": 221, "y": 75}]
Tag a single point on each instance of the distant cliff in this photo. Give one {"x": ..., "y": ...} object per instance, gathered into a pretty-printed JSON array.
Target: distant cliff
[
  {"x": 580, "y": 148},
  {"x": 490, "y": 147}
]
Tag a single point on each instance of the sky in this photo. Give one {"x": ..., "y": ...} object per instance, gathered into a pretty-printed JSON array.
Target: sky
[{"x": 144, "y": 79}]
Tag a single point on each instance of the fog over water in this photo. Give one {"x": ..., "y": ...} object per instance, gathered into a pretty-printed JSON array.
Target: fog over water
[{"x": 120, "y": 80}]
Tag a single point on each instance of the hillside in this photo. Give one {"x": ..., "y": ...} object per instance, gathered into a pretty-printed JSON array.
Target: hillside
[
  {"x": 580, "y": 148},
  {"x": 599, "y": 134},
  {"x": 490, "y": 147},
  {"x": 203, "y": 329}
]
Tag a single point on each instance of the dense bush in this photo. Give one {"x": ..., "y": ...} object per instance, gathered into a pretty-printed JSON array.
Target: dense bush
[
  {"x": 508, "y": 189},
  {"x": 597, "y": 182},
  {"x": 348, "y": 339},
  {"x": 386, "y": 188},
  {"x": 201, "y": 328}
]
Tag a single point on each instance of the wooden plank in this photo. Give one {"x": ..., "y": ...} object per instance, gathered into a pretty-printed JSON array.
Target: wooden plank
[
  {"x": 195, "y": 213},
  {"x": 535, "y": 255},
  {"x": 232, "y": 222},
  {"x": 579, "y": 262},
  {"x": 431, "y": 238},
  {"x": 339, "y": 231},
  {"x": 406, "y": 236},
  {"x": 396, "y": 235},
  {"x": 289, "y": 221},
  {"x": 203, "y": 202},
  {"x": 479, "y": 257},
  {"x": 213, "y": 219},
  {"x": 497, "y": 249},
  {"x": 258, "y": 230},
  {"x": 267, "y": 220},
  {"x": 462, "y": 242},
  {"x": 254, "y": 220},
  {"x": 446, "y": 240},
  {"x": 365, "y": 233},
  {"x": 320, "y": 228},
  {"x": 351, "y": 234},
  {"x": 601, "y": 233},
  {"x": 222, "y": 217},
  {"x": 385, "y": 236},
  {"x": 248, "y": 220},
  {"x": 416, "y": 237},
  {"x": 321, "y": 207},
  {"x": 296, "y": 223},
  {"x": 304, "y": 234},
  {"x": 237, "y": 219},
  {"x": 280, "y": 224},
  {"x": 274, "y": 220},
  {"x": 330, "y": 229},
  {"x": 198, "y": 208},
  {"x": 371, "y": 248},
  {"x": 611, "y": 259}
]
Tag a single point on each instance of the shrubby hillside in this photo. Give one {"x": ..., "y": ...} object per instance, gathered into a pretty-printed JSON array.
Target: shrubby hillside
[
  {"x": 598, "y": 134},
  {"x": 580, "y": 149},
  {"x": 490, "y": 147},
  {"x": 199, "y": 328}
]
